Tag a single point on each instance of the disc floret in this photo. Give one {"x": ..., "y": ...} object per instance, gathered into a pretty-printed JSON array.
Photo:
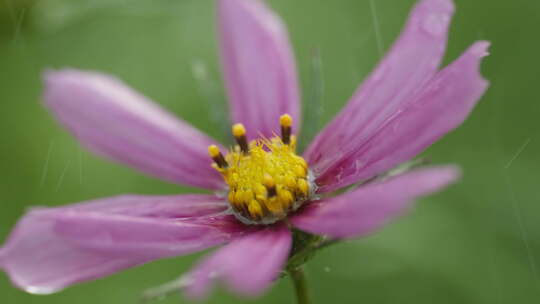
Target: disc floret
[{"x": 266, "y": 179}]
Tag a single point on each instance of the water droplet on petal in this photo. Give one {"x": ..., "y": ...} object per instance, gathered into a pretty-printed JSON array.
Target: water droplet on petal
[{"x": 38, "y": 290}]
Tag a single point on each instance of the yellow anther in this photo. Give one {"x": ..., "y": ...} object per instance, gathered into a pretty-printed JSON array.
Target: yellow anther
[
  {"x": 247, "y": 195},
  {"x": 238, "y": 197},
  {"x": 300, "y": 171},
  {"x": 275, "y": 206},
  {"x": 231, "y": 196},
  {"x": 286, "y": 197},
  {"x": 302, "y": 162},
  {"x": 218, "y": 158},
  {"x": 303, "y": 186},
  {"x": 255, "y": 209},
  {"x": 290, "y": 181},
  {"x": 239, "y": 133},
  {"x": 238, "y": 130},
  {"x": 260, "y": 190},
  {"x": 233, "y": 179},
  {"x": 285, "y": 120},
  {"x": 268, "y": 181},
  {"x": 213, "y": 150}
]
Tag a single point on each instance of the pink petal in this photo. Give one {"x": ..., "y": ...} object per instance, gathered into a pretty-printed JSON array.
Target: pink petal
[
  {"x": 258, "y": 66},
  {"x": 53, "y": 248},
  {"x": 444, "y": 103},
  {"x": 368, "y": 208},
  {"x": 115, "y": 121},
  {"x": 409, "y": 65},
  {"x": 247, "y": 265}
]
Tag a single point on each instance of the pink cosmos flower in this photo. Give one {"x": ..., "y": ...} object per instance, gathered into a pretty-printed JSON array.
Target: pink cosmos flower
[{"x": 262, "y": 188}]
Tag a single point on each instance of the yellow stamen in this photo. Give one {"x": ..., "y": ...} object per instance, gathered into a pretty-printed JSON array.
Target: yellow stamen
[
  {"x": 239, "y": 133},
  {"x": 286, "y": 197},
  {"x": 266, "y": 178},
  {"x": 285, "y": 120},
  {"x": 290, "y": 182},
  {"x": 270, "y": 184},
  {"x": 216, "y": 155},
  {"x": 303, "y": 187},
  {"x": 255, "y": 209},
  {"x": 213, "y": 150},
  {"x": 300, "y": 171},
  {"x": 231, "y": 196},
  {"x": 286, "y": 128},
  {"x": 238, "y": 130}
]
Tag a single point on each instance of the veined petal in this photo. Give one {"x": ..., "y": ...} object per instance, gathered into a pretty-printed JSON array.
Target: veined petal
[
  {"x": 442, "y": 105},
  {"x": 53, "y": 248},
  {"x": 115, "y": 121},
  {"x": 367, "y": 208},
  {"x": 411, "y": 62},
  {"x": 258, "y": 66},
  {"x": 247, "y": 265}
]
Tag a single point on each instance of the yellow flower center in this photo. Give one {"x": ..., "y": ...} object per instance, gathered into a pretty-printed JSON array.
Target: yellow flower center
[{"x": 266, "y": 178}]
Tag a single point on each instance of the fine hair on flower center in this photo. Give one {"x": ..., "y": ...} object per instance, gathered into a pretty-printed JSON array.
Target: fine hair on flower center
[{"x": 266, "y": 179}]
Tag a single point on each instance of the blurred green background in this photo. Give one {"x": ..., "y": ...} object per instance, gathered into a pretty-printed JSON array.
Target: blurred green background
[{"x": 478, "y": 242}]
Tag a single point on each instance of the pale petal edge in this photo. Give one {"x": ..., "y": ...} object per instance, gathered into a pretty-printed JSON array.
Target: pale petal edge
[
  {"x": 440, "y": 107},
  {"x": 116, "y": 122},
  {"x": 53, "y": 248},
  {"x": 411, "y": 62},
  {"x": 368, "y": 208},
  {"x": 258, "y": 66},
  {"x": 246, "y": 266}
]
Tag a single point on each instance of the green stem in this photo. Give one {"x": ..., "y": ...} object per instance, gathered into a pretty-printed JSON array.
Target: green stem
[{"x": 300, "y": 286}]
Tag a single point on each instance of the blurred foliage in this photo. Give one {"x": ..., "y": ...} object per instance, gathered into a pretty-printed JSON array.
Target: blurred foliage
[
  {"x": 478, "y": 242},
  {"x": 12, "y": 14}
]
